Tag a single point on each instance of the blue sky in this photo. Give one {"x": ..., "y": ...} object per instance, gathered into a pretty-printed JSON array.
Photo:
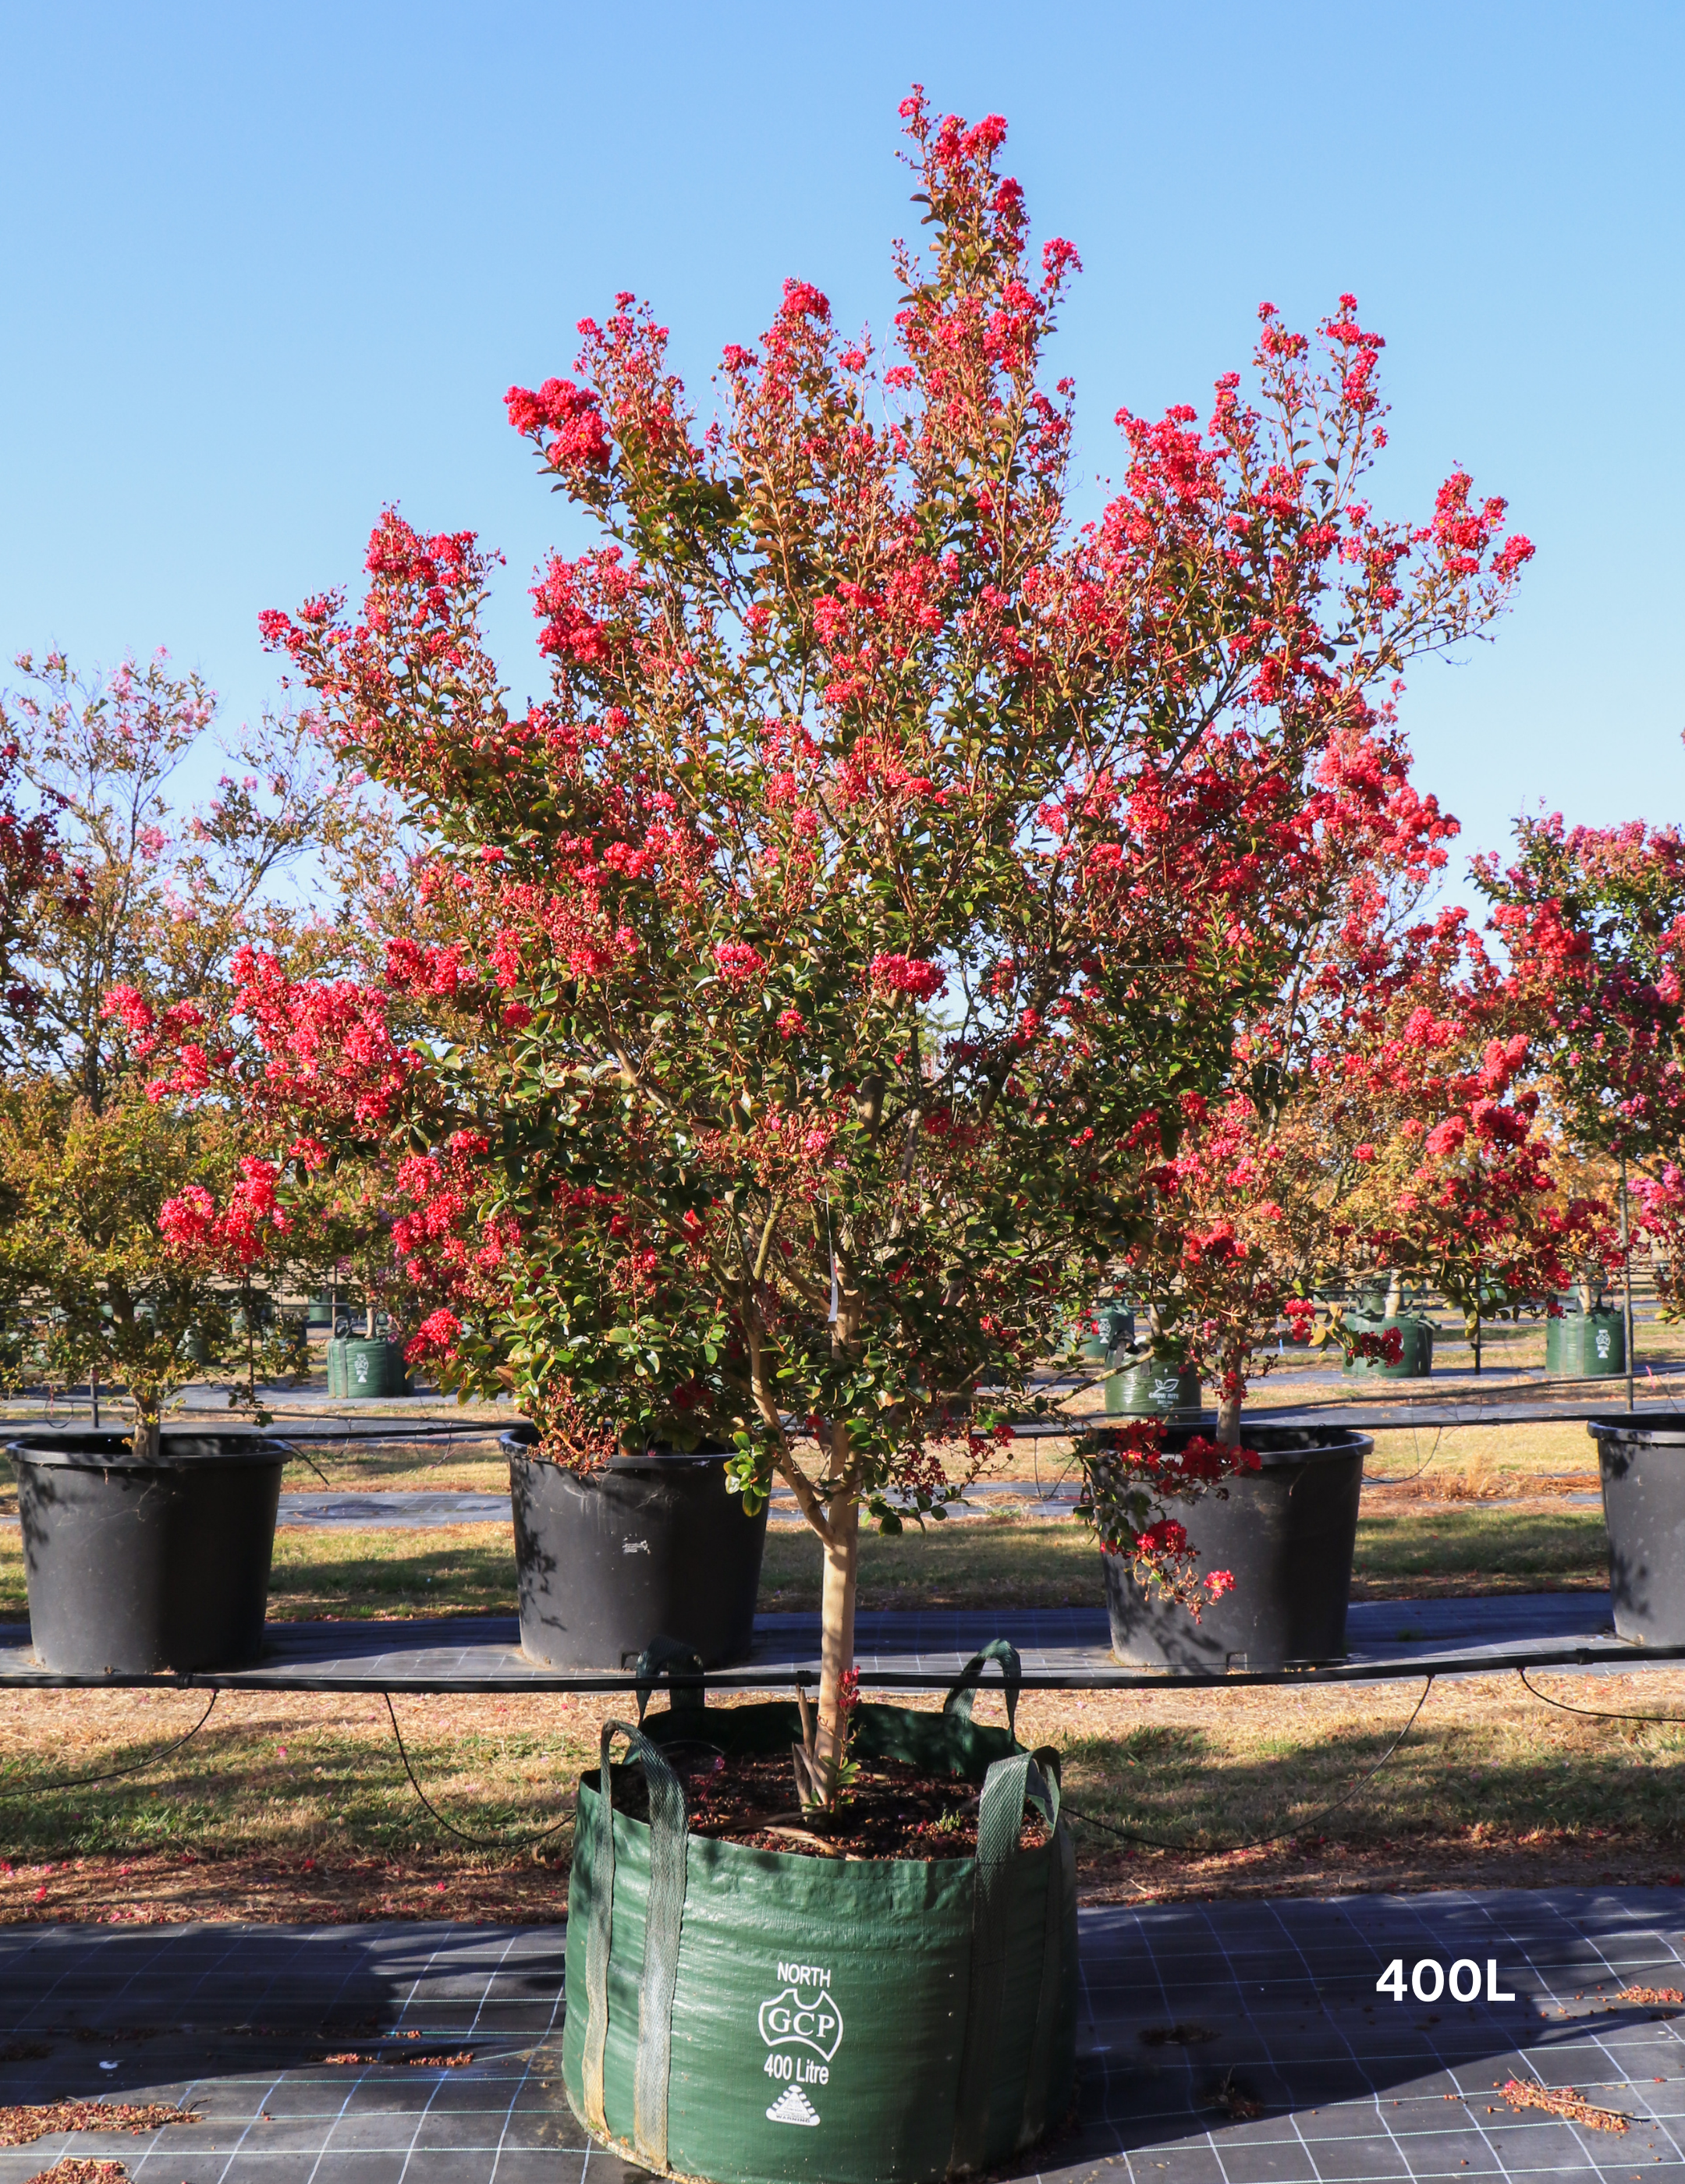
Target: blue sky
[{"x": 267, "y": 268}]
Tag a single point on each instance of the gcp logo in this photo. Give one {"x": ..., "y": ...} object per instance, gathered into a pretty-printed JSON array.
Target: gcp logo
[{"x": 802, "y": 2017}]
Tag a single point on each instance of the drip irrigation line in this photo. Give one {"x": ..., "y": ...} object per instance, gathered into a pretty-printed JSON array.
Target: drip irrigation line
[
  {"x": 116, "y": 1774},
  {"x": 1416, "y": 1438},
  {"x": 1598, "y": 1713},
  {"x": 1282, "y": 1835},
  {"x": 297, "y": 1455},
  {"x": 480, "y": 1842}
]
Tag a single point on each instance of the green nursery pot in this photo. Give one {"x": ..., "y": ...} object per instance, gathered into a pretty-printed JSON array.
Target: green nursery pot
[
  {"x": 1113, "y": 1329},
  {"x": 362, "y": 1371},
  {"x": 1416, "y": 1337},
  {"x": 1587, "y": 1345},
  {"x": 760, "y": 2017},
  {"x": 1152, "y": 1390}
]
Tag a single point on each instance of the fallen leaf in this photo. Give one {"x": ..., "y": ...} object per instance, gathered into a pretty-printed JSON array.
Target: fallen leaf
[{"x": 1564, "y": 2102}]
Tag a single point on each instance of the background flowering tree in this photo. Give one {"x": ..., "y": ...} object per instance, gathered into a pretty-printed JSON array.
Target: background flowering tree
[
  {"x": 1463, "y": 1188},
  {"x": 1383, "y": 1127},
  {"x": 142, "y": 1235},
  {"x": 847, "y": 716},
  {"x": 1593, "y": 921}
]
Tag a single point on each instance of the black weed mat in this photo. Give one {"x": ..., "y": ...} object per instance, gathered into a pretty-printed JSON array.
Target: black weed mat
[{"x": 1228, "y": 2043}]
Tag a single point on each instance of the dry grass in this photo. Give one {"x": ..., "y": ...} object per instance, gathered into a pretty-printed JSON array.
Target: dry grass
[
  {"x": 295, "y": 1806},
  {"x": 452, "y": 1569},
  {"x": 1491, "y": 1786},
  {"x": 1417, "y": 1551}
]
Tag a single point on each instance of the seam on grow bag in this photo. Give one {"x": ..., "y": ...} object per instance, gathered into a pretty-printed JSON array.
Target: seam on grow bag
[
  {"x": 668, "y": 1840},
  {"x": 1061, "y": 1888},
  {"x": 998, "y": 1877}
]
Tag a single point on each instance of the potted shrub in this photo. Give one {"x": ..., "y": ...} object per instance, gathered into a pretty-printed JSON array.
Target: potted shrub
[
  {"x": 143, "y": 1231},
  {"x": 1374, "y": 1125},
  {"x": 1594, "y": 923},
  {"x": 845, "y": 714},
  {"x": 1378, "y": 1335}
]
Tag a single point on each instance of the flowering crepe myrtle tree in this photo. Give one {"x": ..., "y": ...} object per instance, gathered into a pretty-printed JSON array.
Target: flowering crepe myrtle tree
[
  {"x": 1462, "y": 1186},
  {"x": 848, "y": 715},
  {"x": 1593, "y": 923},
  {"x": 1383, "y": 1125},
  {"x": 1250, "y": 1198},
  {"x": 143, "y": 1239}
]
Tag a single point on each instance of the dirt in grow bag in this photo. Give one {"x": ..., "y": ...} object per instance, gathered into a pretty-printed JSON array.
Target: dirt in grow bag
[{"x": 892, "y": 1809}]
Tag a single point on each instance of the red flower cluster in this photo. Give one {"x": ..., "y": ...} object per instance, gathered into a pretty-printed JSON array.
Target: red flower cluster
[
  {"x": 907, "y": 974},
  {"x": 236, "y": 1237}
]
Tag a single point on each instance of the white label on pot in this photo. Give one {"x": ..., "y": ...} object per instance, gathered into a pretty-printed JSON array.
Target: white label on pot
[
  {"x": 805, "y": 2014},
  {"x": 793, "y": 2106}
]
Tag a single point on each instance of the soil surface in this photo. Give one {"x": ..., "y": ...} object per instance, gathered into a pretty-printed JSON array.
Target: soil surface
[{"x": 891, "y": 1810}]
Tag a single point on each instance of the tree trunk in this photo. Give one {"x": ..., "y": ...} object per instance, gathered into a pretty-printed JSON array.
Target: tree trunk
[
  {"x": 146, "y": 1438},
  {"x": 836, "y": 1628},
  {"x": 1229, "y": 1398},
  {"x": 1395, "y": 1294}
]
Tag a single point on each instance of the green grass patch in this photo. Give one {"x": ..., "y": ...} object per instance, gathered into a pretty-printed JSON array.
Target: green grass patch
[
  {"x": 1481, "y": 1546},
  {"x": 990, "y": 1563}
]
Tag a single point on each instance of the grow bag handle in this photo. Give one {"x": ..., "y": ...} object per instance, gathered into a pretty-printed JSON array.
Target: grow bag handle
[
  {"x": 662, "y": 1656},
  {"x": 957, "y": 1704},
  {"x": 999, "y": 1873},
  {"x": 664, "y": 1909}
]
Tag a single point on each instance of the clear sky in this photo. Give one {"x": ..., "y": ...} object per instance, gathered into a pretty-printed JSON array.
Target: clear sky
[{"x": 266, "y": 268}]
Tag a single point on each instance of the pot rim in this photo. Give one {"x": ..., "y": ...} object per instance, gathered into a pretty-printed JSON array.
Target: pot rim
[
  {"x": 808, "y": 1859},
  {"x": 1661, "y": 1430},
  {"x": 1336, "y": 1441},
  {"x": 48, "y": 1448},
  {"x": 513, "y": 1445}
]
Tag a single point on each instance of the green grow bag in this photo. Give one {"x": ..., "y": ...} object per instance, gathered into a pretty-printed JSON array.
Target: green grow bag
[
  {"x": 359, "y": 1371},
  {"x": 1587, "y": 1345},
  {"x": 759, "y": 2017},
  {"x": 1416, "y": 1337},
  {"x": 1112, "y": 1328},
  {"x": 1152, "y": 1390}
]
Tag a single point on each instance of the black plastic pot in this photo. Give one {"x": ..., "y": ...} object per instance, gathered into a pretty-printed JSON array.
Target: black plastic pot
[
  {"x": 1284, "y": 1533},
  {"x": 1642, "y": 1462},
  {"x": 651, "y": 1546},
  {"x": 136, "y": 1566}
]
